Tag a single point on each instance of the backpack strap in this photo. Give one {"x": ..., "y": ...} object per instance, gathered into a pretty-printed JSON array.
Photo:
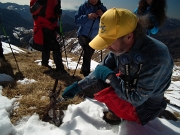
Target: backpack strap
[{"x": 130, "y": 83}]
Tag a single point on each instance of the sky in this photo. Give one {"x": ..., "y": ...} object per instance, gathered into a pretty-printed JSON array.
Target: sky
[
  {"x": 172, "y": 11},
  {"x": 84, "y": 118}
]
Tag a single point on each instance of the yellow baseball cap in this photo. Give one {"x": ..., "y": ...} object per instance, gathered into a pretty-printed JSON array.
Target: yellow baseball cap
[{"x": 114, "y": 23}]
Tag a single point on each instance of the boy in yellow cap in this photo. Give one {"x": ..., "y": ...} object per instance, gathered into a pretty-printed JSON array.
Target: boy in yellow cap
[{"x": 137, "y": 70}]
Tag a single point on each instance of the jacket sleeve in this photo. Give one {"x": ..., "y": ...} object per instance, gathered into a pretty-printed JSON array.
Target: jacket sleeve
[
  {"x": 154, "y": 28},
  {"x": 81, "y": 17},
  {"x": 91, "y": 79}
]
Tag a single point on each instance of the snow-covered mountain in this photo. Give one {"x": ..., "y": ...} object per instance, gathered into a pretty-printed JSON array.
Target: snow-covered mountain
[{"x": 14, "y": 16}]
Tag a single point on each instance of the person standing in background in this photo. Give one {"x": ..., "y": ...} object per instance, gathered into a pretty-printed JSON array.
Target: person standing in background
[
  {"x": 88, "y": 18},
  {"x": 46, "y": 14},
  {"x": 154, "y": 11}
]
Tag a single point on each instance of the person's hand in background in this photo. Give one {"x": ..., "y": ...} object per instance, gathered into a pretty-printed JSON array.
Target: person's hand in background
[
  {"x": 99, "y": 12},
  {"x": 92, "y": 16}
]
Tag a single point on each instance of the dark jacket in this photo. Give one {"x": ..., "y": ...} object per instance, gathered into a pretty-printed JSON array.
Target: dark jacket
[
  {"x": 154, "y": 77},
  {"x": 45, "y": 16}
]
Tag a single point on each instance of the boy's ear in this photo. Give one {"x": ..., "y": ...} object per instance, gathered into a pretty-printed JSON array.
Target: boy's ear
[{"x": 129, "y": 38}]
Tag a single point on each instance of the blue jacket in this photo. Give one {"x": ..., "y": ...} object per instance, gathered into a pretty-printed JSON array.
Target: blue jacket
[
  {"x": 87, "y": 27},
  {"x": 152, "y": 18},
  {"x": 154, "y": 78}
]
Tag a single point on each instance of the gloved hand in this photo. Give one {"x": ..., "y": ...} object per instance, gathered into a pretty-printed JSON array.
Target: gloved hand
[
  {"x": 57, "y": 10},
  {"x": 57, "y": 29},
  {"x": 71, "y": 90},
  {"x": 41, "y": 2},
  {"x": 102, "y": 72}
]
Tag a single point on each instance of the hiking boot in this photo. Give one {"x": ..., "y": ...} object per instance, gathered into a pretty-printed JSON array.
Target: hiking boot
[
  {"x": 111, "y": 118},
  {"x": 62, "y": 71},
  {"x": 9, "y": 84},
  {"x": 46, "y": 65}
]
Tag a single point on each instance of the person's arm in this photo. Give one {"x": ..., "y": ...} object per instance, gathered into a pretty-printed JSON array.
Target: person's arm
[
  {"x": 80, "y": 16},
  {"x": 108, "y": 61},
  {"x": 153, "y": 25},
  {"x": 89, "y": 80},
  {"x": 36, "y": 7},
  {"x": 136, "y": 11},
  {"x": 57, "y": 29},
  {"x": 101, "y": 10}
]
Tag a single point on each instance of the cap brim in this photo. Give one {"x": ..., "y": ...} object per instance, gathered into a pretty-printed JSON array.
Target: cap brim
[{"x": 99, "y": 43}]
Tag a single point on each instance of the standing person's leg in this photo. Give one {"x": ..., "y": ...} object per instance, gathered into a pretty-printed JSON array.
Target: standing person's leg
[
  {"x": 88, "y": 52},
  {"x": 57, "y": 56},
  {"x": 86, "y": 66},
  {"x": 46, "y": 51},
  {"x": 45, "y": 58}
]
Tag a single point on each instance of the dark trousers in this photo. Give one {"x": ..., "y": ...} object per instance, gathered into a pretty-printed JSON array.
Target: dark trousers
[
  {"x": 57, "y": 56},
  {"x": 88, "y": 52},
  {"x": 51, "y": 44}
]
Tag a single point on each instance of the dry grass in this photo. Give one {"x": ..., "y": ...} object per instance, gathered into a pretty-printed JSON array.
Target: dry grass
[
  {"x": 35, "y": 96},
  {"x": 177, "y": 114}
]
